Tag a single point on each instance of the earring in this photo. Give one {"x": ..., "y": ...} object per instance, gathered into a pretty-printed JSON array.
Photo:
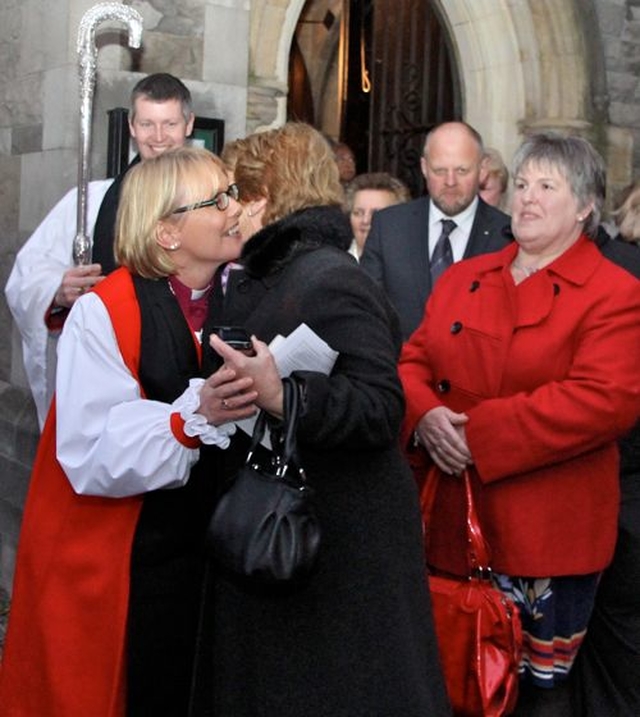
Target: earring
[
  {"x": 249, "y": 213},
  {"x": 174, "y": 246}
]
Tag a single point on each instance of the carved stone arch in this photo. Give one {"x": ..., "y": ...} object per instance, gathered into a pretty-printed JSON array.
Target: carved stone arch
[
  {"x": 273, "y": 23},
  {"x": 523, "y": 66},
  {"x": 531, "y": 66}
]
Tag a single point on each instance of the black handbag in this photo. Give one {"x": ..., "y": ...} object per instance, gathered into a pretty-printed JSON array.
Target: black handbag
[{"x": 265, "y": 526}]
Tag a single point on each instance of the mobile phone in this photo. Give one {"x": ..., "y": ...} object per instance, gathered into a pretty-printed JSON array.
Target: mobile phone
[{"x": 235, "y": 336}]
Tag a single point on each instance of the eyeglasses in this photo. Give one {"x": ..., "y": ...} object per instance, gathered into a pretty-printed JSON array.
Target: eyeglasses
[{"x": 220, "y": 201}]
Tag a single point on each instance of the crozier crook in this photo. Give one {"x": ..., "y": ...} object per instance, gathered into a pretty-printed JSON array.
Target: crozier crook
[{"x": 87, "y": 56}]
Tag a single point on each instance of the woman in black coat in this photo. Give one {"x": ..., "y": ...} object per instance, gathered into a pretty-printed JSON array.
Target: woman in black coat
[
  {"x": 356, "y": 637},
  {"x": 607, "y": 670}
]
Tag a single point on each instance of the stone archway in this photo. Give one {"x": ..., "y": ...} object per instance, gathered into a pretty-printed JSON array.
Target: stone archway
[
  {"x": 272, "y": 25},
  {"x": 533, "y": 64}
]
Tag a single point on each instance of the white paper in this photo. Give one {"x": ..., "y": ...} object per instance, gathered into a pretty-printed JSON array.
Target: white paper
[{"x": 301, "y": 350}]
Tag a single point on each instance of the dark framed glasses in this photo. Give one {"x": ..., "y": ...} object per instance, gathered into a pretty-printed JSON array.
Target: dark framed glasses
[{"x": 220, "y": 201}]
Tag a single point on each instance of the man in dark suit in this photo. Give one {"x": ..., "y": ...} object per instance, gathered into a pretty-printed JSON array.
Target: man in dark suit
[{"x": 409, "y": 245}]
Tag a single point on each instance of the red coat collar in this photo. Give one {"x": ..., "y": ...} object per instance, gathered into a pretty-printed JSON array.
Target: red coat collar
[{"x": 575, "y": 265}]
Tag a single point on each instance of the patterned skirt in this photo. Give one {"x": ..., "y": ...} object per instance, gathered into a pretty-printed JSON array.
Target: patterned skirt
[{"x": 555, "y": 613}]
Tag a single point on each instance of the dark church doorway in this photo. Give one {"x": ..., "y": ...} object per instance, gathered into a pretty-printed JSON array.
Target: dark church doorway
[{"x": 380, "y": 73}]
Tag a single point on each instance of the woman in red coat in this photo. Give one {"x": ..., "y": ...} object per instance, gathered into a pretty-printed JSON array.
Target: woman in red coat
[{"x": 525, "y": 371}]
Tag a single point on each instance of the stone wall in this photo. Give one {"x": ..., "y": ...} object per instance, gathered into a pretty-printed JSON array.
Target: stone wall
[
  {"x": 619, "y": 23},
  {"x": 18, "y": 441}
]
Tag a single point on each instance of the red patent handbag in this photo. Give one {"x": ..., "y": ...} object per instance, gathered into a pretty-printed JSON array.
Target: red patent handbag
[{"x": 478, "y": 630}]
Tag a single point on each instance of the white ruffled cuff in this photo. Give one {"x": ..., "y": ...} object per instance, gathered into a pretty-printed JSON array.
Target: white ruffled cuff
[{"x": 195, "y": 424}]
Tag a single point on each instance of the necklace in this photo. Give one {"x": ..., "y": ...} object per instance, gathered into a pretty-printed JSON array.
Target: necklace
[{"x": 526, "y": 270}]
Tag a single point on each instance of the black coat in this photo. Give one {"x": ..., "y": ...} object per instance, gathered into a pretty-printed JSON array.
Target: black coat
[
  {"x": 105, "y": 227},
  {"x": 606, "y": 674},
  {"x": 356, "y": 638}
]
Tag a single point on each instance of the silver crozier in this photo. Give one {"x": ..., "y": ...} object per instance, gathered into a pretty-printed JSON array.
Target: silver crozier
[{"x": 87, "y": 56}]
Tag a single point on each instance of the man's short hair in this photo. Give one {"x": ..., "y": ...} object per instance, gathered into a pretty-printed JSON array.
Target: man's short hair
[{"x": 160, "y": 87}]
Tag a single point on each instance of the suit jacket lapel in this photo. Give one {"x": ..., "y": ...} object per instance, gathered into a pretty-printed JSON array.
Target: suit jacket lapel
[
  {"x": 419, "y": 264},
  {"x": 480, "y": 233}
]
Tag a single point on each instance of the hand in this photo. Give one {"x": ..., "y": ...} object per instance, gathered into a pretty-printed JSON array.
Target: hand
[
  {"x": 75, "y": 282},
  {"x": 261, "y": 368},
  {"x": 441, "y": 432},
  {"x": 225, "y": 398}
]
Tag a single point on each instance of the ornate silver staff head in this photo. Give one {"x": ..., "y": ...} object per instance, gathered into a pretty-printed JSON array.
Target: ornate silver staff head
[{"x": 87, "y": 56}]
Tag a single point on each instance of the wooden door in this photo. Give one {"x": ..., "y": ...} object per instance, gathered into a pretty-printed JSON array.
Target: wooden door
[{"x": 400, "y": 82}]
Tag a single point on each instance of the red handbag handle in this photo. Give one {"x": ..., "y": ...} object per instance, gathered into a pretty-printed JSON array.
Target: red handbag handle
[{"x": 477, "y": 548}]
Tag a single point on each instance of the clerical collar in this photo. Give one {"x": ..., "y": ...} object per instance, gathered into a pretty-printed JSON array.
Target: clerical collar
[{"x": 193, "y": 302}]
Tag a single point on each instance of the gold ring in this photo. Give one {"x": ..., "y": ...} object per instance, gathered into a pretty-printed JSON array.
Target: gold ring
[
  {"x": 225, "y": 404},
  {"x": 81, "y": 289}
]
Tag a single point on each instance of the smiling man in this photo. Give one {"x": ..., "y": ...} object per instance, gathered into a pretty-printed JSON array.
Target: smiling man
[
  {"x": 410, "y": 245},
  {"x": 43, "y": 284},
  {"x": 160, "y": 118}
]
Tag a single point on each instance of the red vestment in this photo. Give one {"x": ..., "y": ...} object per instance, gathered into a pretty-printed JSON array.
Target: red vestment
[{"x": 65, "y": 649}]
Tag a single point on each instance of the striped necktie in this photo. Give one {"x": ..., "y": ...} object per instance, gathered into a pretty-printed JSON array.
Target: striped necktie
[{"x": 442, "y": 256}]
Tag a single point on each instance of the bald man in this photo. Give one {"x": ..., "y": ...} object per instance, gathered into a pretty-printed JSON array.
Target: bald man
[{"x": 403, "y": 249}]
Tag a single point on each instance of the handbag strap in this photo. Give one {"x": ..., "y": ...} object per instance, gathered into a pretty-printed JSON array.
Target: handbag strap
[
  {"x": 477, "y": 548},
  {"x": 291, "y": 413},
  {"x": 285, "y": 450}
]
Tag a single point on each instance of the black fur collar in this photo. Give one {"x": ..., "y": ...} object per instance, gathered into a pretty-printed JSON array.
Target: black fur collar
[{"x": 275, "y": 245}]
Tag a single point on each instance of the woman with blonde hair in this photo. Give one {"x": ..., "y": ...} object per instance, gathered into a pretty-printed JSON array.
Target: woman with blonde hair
[
  {"x": 626, "y": 213},
  {"x": 494, "y": 179},
  {"x": 110, "y": 564},
  {"x": 355, "y": 637}
]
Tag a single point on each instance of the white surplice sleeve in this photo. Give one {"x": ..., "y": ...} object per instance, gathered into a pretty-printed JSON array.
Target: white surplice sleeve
[
  {"x": 34, "y": 280},
  {"x": 110, "y": 440}
]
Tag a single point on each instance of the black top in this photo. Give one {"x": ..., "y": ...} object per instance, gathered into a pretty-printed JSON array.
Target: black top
[{"x": 104, "y": 230}]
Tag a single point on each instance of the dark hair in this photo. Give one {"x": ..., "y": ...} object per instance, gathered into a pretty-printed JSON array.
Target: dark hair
[
  {"x": 160, "y": 87},
  {"x": 578, "y": 162}
]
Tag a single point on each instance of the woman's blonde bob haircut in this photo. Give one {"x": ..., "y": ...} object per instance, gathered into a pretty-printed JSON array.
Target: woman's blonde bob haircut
[
  {"x": 151, "y": 192},
  {"x": 293, "y": 167},
  {"x": 626, "y": 213}
]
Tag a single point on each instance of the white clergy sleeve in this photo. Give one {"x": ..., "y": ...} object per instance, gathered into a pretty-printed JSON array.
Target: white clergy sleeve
[
  {"x": 34, "y": 280},
  {"x": 110, "y": 441}
]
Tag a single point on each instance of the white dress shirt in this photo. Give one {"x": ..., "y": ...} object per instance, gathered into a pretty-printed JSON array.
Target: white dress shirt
[{"x": 459, "y": 237}]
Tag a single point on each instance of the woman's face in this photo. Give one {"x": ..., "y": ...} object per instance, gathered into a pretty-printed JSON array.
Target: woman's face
[
  {"x": 490, "y": 190},
  {"x": 545, "y": 213},
  {"x": 366, "y": 203},
  {"x": 208, "y": 236},
  {"x": 250, "y": 219},
  {"x": 346, "y": 162}
]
